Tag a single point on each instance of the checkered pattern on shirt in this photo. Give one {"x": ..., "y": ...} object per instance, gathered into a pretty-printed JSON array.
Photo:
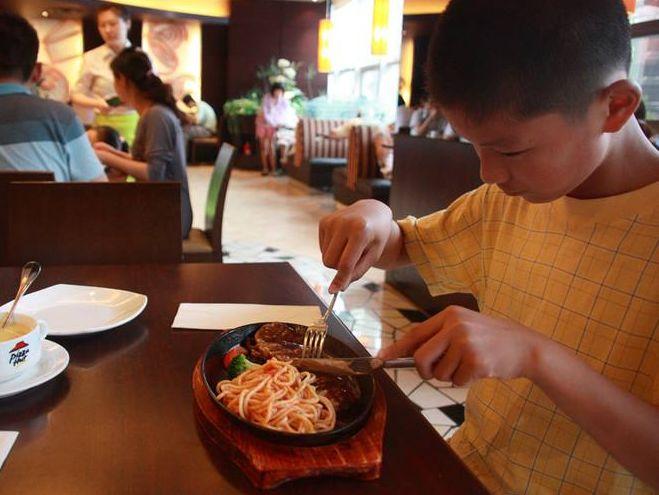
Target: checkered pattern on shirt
[{"x": 584, "y": 273}]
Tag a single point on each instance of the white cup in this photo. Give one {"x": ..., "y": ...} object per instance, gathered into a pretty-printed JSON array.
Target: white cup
[{"x": 20, "y": 353}]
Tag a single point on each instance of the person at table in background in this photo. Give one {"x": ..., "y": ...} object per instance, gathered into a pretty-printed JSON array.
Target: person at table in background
[
  {"x": 200, "y": 117},
  {"x": 94, "y": 90},
  {"x": 277, "y": 114},
  {"x": 158, "y": 152},
  {"x": 559, "y": 247},
  {"x": 427, "y": 120},
  {"x": 37, "y": 134},
  {"x": 108, "y": 135}
]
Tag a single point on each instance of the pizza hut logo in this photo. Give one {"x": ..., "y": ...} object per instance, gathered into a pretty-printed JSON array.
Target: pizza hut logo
[{"x": 19, "y": 353}]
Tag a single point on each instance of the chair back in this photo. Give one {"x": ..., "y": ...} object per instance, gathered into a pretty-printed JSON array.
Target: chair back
[
  {"x": 92, "y": 223},
  {"x": 362, "y": 162},
  {"x": 217, "y": 192},
  {"x": 310, "y": 143},
  {"x": 8, "y": 176}
]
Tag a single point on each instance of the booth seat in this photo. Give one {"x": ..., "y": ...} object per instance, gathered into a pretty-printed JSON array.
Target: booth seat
[
  {"x": 316, "y": 154},
  {"x": 362, "y": 178}
]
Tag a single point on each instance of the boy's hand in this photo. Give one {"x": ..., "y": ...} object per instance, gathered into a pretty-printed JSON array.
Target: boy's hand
[
  {"x": 461, "y": 346},
  {"x": 353, "y": 239}
]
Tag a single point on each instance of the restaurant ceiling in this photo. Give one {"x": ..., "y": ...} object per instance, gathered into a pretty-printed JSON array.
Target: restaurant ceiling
[{"x": 204, "y": 10}]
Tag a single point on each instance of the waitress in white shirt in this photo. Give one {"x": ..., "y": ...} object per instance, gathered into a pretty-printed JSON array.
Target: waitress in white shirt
[{"x": 95, "y": 87}]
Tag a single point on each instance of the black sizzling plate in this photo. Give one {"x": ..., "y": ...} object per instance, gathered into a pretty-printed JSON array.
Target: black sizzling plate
[{"x": 351, "y": 420}]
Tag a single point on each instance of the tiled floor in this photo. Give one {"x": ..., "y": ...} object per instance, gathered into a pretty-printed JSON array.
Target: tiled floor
[{"x": 274, "y": 219}]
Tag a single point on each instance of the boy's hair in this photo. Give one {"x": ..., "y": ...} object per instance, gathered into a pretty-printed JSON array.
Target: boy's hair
[
  {"x": 526, "y": 58},
  {"x": 20, "y": 46},
  {"x": 121, "y": 11}
]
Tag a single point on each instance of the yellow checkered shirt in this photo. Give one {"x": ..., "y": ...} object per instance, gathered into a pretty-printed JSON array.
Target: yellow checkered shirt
[{"x": 582, "y": 272}]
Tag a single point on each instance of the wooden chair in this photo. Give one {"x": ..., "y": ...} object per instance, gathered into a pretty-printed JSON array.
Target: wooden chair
[
  {"x": 8, "y": 176},
  {"x": 206, "y": 245},
  {"x": 92, "y": 223},
  {"x": 429, "y": 174}
]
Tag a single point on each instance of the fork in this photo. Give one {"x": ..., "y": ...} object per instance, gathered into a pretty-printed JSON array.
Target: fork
[{"x": 314, "y": 336}]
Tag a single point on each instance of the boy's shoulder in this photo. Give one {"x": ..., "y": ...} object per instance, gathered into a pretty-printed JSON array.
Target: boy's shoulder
[{"x": 492, "y": 202}]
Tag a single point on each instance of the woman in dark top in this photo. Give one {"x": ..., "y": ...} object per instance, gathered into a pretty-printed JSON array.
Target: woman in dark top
[{"x": 158, "y": 152}]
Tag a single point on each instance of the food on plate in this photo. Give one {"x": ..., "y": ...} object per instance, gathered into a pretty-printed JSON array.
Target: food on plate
[
  {"x": 238, "y": 365},
  {"x": 284, "y": 341},
  {"x": 277, "y": 395},
  {"x": 280, "y": 340},
  {"x": 265, "y": 388}
]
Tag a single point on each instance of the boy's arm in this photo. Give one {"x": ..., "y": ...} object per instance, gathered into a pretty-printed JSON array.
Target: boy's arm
[
  {"x": 461, "y": 346},
  {"x": 623, "y": 424},
  {"x": 356, "y": 238}
]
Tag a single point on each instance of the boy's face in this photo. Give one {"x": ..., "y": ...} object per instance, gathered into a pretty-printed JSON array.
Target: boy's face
[{"x": 542, "y": 158}]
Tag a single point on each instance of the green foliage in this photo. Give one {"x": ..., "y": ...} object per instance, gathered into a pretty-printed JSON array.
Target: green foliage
[
  {"x": 280, "y": 70},
  {"x": 242, "y": 106}
]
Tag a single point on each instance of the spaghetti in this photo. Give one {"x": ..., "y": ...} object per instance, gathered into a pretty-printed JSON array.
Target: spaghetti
[{"x": 277, "y": 395}]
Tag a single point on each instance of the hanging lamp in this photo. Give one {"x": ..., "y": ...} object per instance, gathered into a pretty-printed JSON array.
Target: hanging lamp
[
  {"x": 324, "y": 41},
  {"x": 380, "y": 33}
]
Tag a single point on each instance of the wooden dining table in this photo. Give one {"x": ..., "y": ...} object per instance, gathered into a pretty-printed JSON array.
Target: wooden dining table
[{"x": 120, "y": 419}]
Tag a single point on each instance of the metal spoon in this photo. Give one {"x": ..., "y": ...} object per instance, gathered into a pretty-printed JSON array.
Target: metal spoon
[{"x": 30, "y": 272}]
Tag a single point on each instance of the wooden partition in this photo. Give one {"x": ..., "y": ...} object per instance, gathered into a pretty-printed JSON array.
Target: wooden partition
[
  {"x": 92, "y": 223},
  {"x": 9, "y": 176},
  {"x": 429, "y": 174}
]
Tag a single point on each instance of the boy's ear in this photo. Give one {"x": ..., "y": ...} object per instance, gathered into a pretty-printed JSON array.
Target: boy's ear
[{"x": 622, "y": 98}]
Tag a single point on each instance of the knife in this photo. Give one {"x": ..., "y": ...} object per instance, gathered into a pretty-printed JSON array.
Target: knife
[{"x": 350, "y": 366}]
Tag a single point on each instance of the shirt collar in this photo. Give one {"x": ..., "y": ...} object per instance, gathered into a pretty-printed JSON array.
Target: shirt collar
[
  {"x": 13, "y": 88},
  {"x": 110, "y": 53}
]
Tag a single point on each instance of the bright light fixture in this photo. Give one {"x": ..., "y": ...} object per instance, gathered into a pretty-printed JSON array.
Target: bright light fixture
[
  {"x": 380, "y": 32},
  {"x": 324, "y": 42}
]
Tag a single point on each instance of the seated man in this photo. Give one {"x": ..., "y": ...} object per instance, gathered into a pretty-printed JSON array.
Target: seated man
[
  {"x": 200, "y": 117},
  {"x": 427, "y": 121},
  {"x": 37, "y": 134}
]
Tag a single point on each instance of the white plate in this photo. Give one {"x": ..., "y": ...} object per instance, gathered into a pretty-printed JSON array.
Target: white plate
[
  {"x": 54, "y": 360},
  {"x": 78, "y": 309}
]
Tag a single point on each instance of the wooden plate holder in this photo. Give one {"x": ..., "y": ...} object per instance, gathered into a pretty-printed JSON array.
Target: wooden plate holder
[{"x": 268, "y": 464}]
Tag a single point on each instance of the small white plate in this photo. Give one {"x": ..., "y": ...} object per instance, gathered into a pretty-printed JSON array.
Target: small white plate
[
  {"x": 54, "y": 360},
  {"x": 78, "y": 309}
]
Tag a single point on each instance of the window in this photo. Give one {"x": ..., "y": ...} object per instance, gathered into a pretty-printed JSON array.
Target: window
[
  {"x": 359, "y": 75},
  {"x": 645, "y": 71}
]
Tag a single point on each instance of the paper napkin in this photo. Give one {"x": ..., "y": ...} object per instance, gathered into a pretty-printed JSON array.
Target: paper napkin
[
  {"x": 228, "y": 316},
  {"x": 7, "y": 439}
]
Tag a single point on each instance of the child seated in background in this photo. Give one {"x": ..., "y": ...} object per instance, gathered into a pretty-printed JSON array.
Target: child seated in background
[
  {"x": 108, "y": 135},
  {"x": 559, "y": 247}
]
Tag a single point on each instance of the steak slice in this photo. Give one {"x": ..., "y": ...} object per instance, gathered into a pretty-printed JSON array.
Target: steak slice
[
  {"x": 278, "y": 340},
  {"x": 342, "y": 391}
]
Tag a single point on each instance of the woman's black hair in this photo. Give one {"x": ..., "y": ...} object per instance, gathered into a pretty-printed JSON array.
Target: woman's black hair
[
  {"x": 275, "y": 86},
  {"x": 135, "y": 65}
]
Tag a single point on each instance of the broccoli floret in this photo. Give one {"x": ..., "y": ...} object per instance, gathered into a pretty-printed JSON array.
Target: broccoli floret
[{"x": 239, "y": 365}]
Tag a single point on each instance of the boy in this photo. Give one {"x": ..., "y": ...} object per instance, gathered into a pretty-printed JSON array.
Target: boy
[
  {"x": 37, "y": 134},
  {"x": 559, "y": 247}
]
